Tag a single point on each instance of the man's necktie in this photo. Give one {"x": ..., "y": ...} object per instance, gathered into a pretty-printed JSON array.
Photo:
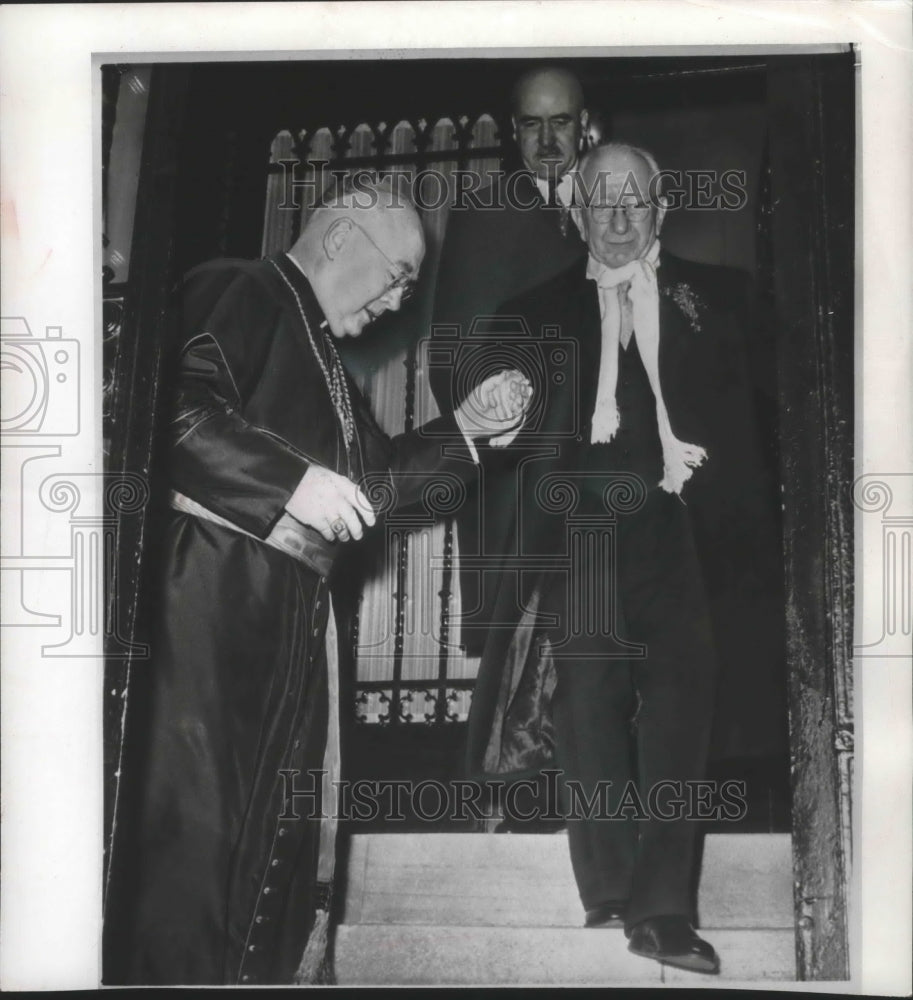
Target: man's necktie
[
  {"x": 627, "y": 314},
  {"x": 552, "y": 200},
  {"x": 563, "y": 211}
]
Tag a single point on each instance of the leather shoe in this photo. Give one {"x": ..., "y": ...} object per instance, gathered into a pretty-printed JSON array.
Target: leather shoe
[
  {"x": 606, "y": 915},
  {"x": 673, "y": 941}
]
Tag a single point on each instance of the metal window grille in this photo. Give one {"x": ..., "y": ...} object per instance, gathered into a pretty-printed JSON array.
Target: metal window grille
[{"x": 410, "y": 666}]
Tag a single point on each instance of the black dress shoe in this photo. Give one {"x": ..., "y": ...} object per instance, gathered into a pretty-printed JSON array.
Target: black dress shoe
[
  {"x": 606, "y": 915},
  {"x": 673, "y": 941}
]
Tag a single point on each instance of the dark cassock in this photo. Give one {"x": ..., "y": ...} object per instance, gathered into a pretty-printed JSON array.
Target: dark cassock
[
  {"x": 232, "y": 872},
  {"x": 500, "y": 242},
  {"x": 689, "y": 568}
]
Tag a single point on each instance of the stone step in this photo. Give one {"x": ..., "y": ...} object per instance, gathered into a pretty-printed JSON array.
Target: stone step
[
  {"x": 489, "y": 956},
  {"x": 525, "y": 881}
]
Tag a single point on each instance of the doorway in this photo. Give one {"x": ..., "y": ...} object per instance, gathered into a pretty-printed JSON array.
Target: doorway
[{"x": 212, "y": 170}]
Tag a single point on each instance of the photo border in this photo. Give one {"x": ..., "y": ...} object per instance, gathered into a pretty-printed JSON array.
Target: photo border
[{"x": 51, "y": 710}]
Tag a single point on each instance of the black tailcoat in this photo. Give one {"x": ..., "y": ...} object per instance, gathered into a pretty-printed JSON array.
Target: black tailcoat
[{"x": 730, "y": 502}]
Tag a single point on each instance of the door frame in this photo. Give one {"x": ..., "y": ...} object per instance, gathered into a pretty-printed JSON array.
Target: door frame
[{"x": 811, "y": 162}]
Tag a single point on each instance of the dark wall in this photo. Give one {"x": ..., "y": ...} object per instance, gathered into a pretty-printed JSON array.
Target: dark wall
[{"x": 702, "y": 140}]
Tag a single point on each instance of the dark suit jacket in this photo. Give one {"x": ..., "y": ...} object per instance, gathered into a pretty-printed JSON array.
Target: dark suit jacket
[
  {"x": 490, "y": 255},
  {"x": 705, "y": 317}
]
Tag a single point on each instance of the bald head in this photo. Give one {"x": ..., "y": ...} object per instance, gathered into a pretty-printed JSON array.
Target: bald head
[
  {"x": 624, "y": 214},
  {"x": 549, "y": 120},
  {"x": 361, "y": 251},
  {"x": 552, "y": 78},
  {"x": 383, "y": 208}
]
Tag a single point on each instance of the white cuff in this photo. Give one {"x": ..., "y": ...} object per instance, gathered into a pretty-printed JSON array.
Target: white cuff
[{"x": 470, "y": 444}]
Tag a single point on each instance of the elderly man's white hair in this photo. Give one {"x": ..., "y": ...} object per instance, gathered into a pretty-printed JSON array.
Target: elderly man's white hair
[
  {"x": 586, "y": 188},
  {"x": 597, "y": 152}
]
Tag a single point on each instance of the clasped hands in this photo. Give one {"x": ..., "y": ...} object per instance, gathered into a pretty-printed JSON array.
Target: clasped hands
[
  {"x": 495, "y": 408},
  {"x": 339, "y": 510}
]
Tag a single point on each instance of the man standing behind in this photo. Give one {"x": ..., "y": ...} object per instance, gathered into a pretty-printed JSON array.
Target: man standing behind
[{"x": 519, "y": 234}]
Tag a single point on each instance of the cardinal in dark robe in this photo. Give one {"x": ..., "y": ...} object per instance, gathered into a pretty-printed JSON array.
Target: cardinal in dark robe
[{"x": 275, "y": 467}]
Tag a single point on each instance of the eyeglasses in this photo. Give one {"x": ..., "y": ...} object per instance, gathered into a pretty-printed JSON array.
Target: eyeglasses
[
  {"x": 402, "y": 280},
  {"x": 635, "y": 212}
]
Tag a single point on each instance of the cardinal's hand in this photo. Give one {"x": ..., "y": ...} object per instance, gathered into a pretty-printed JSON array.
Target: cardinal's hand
[{"x": 332, "y": 504}]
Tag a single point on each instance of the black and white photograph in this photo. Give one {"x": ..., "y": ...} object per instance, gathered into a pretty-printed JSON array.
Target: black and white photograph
[{"x": 478, "y": 563}]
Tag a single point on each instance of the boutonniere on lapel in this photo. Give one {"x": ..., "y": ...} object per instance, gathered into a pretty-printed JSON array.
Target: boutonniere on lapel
[{"x": 684, "y": 296}]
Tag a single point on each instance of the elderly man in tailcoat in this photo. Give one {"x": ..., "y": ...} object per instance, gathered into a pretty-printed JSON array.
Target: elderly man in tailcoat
[{"x": 655, "y": 445}]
